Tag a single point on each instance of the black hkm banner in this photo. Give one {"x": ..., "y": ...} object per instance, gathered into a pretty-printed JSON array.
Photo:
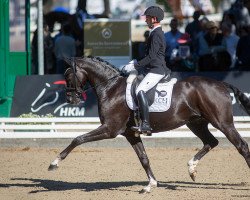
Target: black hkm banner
[{"x": 45, "y": 94}]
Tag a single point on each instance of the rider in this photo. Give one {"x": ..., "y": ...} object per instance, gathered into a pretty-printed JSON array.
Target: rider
[{"x": 153, "y": 64}]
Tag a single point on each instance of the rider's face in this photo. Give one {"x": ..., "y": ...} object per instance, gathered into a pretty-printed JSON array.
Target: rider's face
[{"x": 150, "y": 21}]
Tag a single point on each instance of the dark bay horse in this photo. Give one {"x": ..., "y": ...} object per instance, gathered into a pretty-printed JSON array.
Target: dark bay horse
[{"x": 196, "y": 101}]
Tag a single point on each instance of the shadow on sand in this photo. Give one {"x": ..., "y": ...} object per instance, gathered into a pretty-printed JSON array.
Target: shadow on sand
[{"x": 53, "y": 185}]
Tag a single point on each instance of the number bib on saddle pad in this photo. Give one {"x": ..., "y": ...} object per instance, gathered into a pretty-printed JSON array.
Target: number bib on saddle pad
[{"x": 162, "y": 97}]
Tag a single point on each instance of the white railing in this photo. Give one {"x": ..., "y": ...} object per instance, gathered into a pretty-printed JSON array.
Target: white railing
[
  {"x": 46, "y": 127},
  {"x": 72, "y": 127}
]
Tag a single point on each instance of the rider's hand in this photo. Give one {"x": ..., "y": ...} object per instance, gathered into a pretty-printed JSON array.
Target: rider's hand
[{"x": 130, "y": 66}]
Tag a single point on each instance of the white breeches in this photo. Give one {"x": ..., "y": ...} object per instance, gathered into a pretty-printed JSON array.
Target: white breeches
[{"x": 149, "y": 81}]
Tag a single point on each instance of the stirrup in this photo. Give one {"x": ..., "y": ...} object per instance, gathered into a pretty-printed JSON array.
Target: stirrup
[{"x": 144, "y": 130}]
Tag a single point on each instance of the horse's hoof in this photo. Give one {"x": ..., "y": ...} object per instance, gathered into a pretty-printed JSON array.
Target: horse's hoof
[
  {"x": 193, "y": 175},
  {"x": 52, "y": 167},
  {"x": 144, "y": 191},
  {"x": 147, "y": 189}
]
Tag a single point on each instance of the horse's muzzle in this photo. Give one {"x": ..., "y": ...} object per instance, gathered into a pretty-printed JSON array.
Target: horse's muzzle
[{"x": 72, "y": 99}]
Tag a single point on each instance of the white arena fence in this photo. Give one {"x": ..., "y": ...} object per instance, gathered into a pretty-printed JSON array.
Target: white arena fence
[{"x": 72, "y": 127}]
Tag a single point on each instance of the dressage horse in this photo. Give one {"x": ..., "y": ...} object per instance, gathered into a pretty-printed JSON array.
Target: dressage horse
[{"x": 196, "y": 102}]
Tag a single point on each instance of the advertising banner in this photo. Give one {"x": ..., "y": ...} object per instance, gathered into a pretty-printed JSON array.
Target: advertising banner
[
  {"x": 107, "y": 38},
  {"x": 45, "y": 94}
]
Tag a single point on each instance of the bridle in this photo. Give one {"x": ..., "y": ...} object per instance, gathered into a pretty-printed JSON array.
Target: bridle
[{"x": 77, "y": 91}]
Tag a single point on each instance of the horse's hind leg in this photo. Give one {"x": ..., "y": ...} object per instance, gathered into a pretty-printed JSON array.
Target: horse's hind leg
[
  {"x": 137, "y": 145},
  {"x": 234, "y": 137},
  {"x": 200, "y": 128}
]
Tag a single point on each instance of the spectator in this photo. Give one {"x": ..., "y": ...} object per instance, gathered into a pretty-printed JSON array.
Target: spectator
[
  {"x": 49, "y": 57},
  {"x": 59, "y": 34},
  {"x": 64, "y": 48},
  {"x": 183, "y": 61},
  {"x": 212, "y": 50},
  {"x": 243, "y": 49},
  {"x": 231, "y": 41},
  {"x": 200, "y": 34},
  {"x": 243, "y": 31},
  {"x": 203, "y": 27},
  {"x": 48, "y": 51},
  {"x": 82, "y": 14},
  {"x": 171, "y": 38},
  {"x": 240, "y": 13},
  {"x": 77, "y": 25},
  {"x": 194, "y": 27},
  {"x": 229, "y": 18}
]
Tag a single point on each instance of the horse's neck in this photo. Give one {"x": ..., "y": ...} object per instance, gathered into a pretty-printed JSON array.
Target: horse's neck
[
  {"x": 96, "y": 77},
  {"x": 100, "y": 79}
]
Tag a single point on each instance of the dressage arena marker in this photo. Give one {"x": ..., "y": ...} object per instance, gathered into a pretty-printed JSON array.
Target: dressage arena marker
[{"x": 73, "y": 127}]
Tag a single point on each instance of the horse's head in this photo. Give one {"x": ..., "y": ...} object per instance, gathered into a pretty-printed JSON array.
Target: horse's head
[
  {"x": 96, "y": 71},
  {"x": 75, "y": 80}
]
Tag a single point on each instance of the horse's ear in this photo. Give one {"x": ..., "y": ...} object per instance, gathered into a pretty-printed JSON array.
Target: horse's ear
[
  {"x": 69, "y": 63},
  {"x": 67, "y": 71}
]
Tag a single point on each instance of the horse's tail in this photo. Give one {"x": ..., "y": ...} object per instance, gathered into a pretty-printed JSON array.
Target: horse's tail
[{"x": 241, "y": 98}]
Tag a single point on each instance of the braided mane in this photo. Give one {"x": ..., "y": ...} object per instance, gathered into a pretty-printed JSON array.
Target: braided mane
[{"x": 104, "y": 63}]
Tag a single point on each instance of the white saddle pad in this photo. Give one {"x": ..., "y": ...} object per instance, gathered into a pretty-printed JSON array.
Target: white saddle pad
[{"x": 162, "y": 99}]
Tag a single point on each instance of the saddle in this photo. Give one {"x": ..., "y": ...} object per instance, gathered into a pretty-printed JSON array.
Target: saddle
[
  {"x": 151, "y": 93},
  {"x": 159, "y": 97}
]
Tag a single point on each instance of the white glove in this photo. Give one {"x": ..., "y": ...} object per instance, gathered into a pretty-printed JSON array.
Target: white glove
[{"x": 128, "y": 68}]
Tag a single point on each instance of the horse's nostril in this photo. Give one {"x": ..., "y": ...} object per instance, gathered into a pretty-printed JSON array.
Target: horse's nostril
[{"x": 68, "y": 99}]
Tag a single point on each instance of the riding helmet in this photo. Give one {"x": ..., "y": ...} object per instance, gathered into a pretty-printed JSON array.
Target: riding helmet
[{"x": 155, "y": 11}]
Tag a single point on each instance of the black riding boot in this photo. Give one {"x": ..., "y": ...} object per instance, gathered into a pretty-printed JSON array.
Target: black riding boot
[{"x": 144, "y": 113}]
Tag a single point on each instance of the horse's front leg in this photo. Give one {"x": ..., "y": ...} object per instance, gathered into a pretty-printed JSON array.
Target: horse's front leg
[
  {"x": 98, "y": 134},
  {"x": 138, "y": 146}
]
